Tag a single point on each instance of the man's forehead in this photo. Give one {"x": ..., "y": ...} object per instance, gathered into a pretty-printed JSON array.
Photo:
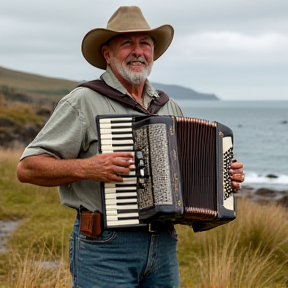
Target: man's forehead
[{"x": 139, "y": 35}]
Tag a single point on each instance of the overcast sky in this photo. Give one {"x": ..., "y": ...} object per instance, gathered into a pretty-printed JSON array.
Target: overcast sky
[{"x": 237, "y": 49}]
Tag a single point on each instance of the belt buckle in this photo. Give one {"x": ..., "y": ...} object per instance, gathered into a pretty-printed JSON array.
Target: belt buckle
[{"x": 150, "y": 229}]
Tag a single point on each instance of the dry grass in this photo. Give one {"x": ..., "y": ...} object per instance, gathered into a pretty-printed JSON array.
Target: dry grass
[
  {"x": 38, "y": 270},
  {"x": 250, "y": 252},
  {"x": 247, "y": 253},
  {"x": 42, "y": 235}
]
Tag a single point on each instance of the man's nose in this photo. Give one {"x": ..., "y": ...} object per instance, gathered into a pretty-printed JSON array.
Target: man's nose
[{"x": 137, "y": 50}]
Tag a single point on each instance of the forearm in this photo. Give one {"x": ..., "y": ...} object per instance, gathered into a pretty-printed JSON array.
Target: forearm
[{"x": 44, "y": 170}]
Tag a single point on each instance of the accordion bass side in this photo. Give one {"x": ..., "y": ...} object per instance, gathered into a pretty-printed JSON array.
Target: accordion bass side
[{"x": 181, "y": 171}]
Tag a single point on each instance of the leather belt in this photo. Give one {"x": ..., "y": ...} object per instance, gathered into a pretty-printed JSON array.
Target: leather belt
[{"x": 91, "y": 224}]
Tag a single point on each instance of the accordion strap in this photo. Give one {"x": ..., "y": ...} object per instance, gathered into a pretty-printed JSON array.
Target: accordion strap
[{"x": 104, "y": 89}]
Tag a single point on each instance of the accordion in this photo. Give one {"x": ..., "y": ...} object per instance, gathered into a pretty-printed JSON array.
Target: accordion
[{"x": 181, "y": 171}]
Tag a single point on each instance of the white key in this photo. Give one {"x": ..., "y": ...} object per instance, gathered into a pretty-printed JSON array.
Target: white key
[
  {"x": 109, "y": 131},
  {"x": 122, "y": 222},
  {"x": 111, "y": 120},
  {"x": 110, "y": 136},
  {"x": 114, "y": 142},
  {"x": 117, "y": 201},
  {"x": 113, "y": 195},
  {"x": 122, "y": 215},
  {"x": 107, "y": 148},
  {"x": 122, "y": 207},
  {"x": 114, "y": 189}
]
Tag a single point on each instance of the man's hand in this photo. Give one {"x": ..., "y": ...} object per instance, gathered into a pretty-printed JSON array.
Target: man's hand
[
  {"x": 237, "y": 175},
  {"x": 108, "y": 167}
]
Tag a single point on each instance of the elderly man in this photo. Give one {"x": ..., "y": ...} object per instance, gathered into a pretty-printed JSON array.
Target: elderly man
[{"x": 65, "y": 153}]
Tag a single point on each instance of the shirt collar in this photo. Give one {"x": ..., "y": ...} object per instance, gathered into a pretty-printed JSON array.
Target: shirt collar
[{"x": 110, "y": 79}]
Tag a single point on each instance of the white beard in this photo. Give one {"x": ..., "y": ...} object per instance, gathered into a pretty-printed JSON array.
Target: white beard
[{"x": 132, "y": 77}]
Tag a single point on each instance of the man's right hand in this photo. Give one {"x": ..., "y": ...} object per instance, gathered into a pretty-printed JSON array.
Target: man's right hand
[{"x": 107, "y": 167}]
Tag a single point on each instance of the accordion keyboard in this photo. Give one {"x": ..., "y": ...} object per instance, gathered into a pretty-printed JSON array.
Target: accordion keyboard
[{"x": 120, "y": 197}]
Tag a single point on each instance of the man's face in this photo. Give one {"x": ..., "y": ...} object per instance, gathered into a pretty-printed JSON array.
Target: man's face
[{"x": 130, "y": 57}]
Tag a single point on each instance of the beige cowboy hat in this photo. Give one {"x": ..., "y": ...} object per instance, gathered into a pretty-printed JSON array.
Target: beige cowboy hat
[{"x": 126, "y": 19}]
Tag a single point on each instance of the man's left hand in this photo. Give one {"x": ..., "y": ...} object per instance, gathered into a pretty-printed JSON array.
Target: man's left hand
[{"x": 237, "y": 175}]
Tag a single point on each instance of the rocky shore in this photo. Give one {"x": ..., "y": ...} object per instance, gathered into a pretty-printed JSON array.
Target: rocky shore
[{"x": 265, "y": 195}]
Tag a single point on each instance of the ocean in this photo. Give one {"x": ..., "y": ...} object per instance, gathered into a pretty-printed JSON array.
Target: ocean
[{"x": 260, "y": 131}]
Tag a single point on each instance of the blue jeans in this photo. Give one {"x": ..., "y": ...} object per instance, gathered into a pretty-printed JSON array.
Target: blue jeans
[{"x": 124, "y": 259}]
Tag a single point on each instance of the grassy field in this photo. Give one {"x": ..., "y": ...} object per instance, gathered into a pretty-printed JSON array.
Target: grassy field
[{"x": 250, "y": 252}]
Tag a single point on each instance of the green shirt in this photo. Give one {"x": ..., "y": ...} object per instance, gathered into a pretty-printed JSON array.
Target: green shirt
[{"x": 71, "y": 133}]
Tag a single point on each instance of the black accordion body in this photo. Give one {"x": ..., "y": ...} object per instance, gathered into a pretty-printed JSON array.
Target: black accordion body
[{"x": 181, "y": 171}]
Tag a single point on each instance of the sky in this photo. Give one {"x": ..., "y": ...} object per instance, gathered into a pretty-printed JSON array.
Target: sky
[{"x": 236, "y": 49}]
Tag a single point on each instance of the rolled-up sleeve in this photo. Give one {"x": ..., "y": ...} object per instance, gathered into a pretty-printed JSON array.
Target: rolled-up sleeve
[{"x": 62, "y": 136}]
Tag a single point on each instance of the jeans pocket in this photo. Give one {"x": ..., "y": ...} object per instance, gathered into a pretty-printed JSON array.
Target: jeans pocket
[
  {"x": 106, "y": 237},
  {"x": 173, "y": 234}
]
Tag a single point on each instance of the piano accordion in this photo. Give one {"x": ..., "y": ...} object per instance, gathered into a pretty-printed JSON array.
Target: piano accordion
[{"x": 181, "y": 171}]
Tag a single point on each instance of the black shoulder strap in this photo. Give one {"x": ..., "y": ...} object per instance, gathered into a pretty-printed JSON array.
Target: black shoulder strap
[{"x": 102, "y": 88}]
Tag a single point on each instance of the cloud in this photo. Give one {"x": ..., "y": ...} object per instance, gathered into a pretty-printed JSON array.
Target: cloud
[
  {"x": 233, "y": 47},
  {"x": 230, "y": 41},
  {"x": 222, "y": 46}
]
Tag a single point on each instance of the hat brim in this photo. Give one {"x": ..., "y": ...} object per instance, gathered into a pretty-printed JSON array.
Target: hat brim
[{"x": 94, "y": 39}]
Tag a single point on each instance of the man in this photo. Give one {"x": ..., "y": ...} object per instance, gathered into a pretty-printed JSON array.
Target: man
[{"x": 65, "y": 154}]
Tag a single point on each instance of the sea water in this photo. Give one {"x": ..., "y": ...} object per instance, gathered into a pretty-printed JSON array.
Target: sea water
[{"x": 260, "y": 130}]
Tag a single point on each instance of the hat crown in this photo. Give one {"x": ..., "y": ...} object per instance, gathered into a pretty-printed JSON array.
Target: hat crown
[{"x": 128, "y": 18}]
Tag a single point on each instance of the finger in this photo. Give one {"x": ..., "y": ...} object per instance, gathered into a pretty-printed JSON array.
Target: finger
[
  {"x": 111, "y": 177},
  {"x": 121, "y": 170},
  {"x": 236, "y": 171},
  {"x": 127, "y": 155},
  {"x": 238, "y": 177},
  {"x": 122, "y": 161},
  {"x": 236, "y": 186},
  {"x": 236, "y": 165}
]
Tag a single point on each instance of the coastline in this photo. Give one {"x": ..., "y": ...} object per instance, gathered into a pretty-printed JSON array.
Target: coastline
[{"x": 265, "y": 194}]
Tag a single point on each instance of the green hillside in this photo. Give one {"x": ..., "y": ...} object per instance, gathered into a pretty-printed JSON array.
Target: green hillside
[
  {"x": 26, "y": 102},
  {"x": 26, "y": 87}
]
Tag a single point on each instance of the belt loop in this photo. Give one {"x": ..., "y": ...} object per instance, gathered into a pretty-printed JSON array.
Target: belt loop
[{"x": 150, "y": 228}]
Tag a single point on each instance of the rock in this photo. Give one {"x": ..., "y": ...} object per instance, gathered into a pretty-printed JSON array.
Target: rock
[
  {"x": 266, "y": 192},
  {"x": 271, "y": 176}
]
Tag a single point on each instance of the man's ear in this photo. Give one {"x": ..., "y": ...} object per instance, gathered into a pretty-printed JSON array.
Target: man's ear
[{"x": 105, "y": 52}]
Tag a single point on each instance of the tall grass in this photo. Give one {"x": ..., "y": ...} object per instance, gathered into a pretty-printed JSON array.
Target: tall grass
[
  {"x": 38, "y": 270},
  {"x": 250, "y": 252},
  {"x": 43, "y": 232}
]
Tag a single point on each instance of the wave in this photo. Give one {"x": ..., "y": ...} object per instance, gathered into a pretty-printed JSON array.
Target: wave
[{"x": 275, "y": 181}]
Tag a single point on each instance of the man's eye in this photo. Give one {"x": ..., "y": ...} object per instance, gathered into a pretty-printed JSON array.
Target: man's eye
[
  {"x": 126, "y": 42},
  {"x": 147, "y": 43}
]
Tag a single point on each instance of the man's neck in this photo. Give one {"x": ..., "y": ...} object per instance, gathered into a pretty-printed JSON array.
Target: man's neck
[{"x": 135, "y": 91}]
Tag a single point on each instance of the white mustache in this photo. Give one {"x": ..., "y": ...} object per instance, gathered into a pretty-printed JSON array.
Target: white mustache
[{"x": 135, "y": 59}]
